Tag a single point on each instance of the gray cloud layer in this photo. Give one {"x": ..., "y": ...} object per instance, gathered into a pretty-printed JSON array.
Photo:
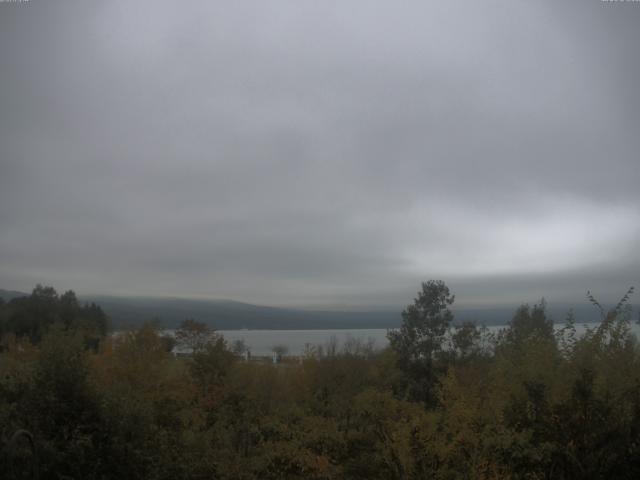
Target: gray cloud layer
[{"x": 320, "y": 153}]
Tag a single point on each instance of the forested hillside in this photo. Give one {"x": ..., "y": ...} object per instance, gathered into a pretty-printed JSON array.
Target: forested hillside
[{"x": 441, "y": 402}]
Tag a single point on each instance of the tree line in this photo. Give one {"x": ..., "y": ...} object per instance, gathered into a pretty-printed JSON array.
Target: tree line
[{"x": 441, "y": 401}]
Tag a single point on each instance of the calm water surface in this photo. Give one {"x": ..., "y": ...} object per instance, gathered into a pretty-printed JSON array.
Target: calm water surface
[{"x": 261, "y": 342}]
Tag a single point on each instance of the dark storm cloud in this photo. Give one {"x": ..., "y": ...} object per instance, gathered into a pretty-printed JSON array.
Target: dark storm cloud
[{"x": 320, "y": 153}]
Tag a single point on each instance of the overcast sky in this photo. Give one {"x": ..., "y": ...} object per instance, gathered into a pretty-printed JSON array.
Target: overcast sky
[{"x": 321, "y": 153}]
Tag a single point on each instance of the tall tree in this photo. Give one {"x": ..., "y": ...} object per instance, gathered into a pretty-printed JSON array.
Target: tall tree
[
  {"x": 194, "y": 336},
  {"x": 528, "y": 322},
  {"x": 419, "y": 341}
]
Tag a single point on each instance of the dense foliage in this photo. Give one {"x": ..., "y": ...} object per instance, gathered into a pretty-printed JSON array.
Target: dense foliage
[{"x": 441, "y": 402}]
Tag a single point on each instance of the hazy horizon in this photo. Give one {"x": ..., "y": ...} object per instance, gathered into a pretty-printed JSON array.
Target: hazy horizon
[
  {"x": 321, "y": 154},
  {"x": 482, "y": 313}
]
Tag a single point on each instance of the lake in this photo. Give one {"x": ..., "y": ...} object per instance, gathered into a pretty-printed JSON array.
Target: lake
[{"x": 261, "y": 342}]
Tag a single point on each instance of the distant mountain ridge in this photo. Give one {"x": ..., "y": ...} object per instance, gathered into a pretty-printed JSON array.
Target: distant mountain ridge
[
  {"x": 231, "y": 315},
  {"x": 7, "y": 295}
]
